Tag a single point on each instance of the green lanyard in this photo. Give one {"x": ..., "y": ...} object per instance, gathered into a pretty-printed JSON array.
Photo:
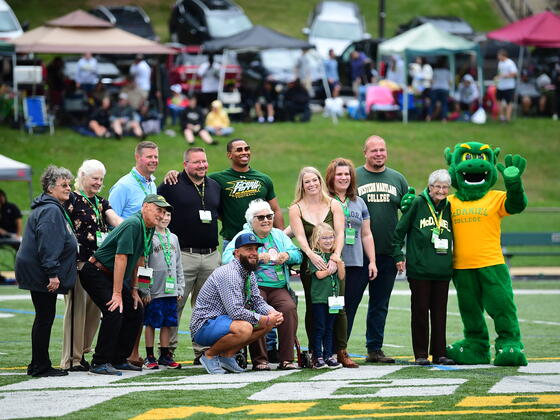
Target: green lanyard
[
  {"x": 332, "y": 276},
  {"x": 166, "y": 247},
  {"x": 201, "y": 193},
  {"x": 437, "y": 220},
  {"x": 95, "y": 207},
  {"x": 344, "y": 208},
  {"x": 67, "y": 217},
  {"x": 139, "y": 181},
  {"x": 247, "y": 289},
  {"x": 147, "y": 240}
]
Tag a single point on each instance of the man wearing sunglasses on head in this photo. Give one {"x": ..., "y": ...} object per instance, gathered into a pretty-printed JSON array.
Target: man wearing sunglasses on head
[{"x": 240, "y": 184}]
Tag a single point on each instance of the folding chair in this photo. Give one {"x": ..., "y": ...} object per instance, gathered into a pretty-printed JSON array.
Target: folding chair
[
  {"x": 232, "y": 102},
  {"x": 35, "y": 114}
]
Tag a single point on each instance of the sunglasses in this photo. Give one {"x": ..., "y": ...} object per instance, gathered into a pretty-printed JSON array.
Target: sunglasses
[
  {"x": 242, "y": 149},
  {"x": 63, "y": 185},
  {"x": 261, "y": 217}
]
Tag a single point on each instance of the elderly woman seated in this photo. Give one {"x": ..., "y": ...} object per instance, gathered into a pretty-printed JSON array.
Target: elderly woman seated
[{"x": 273, "y": 279}]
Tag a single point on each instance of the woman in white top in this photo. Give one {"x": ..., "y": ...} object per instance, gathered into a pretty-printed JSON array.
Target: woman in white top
[{"x": 441, "y": 84}]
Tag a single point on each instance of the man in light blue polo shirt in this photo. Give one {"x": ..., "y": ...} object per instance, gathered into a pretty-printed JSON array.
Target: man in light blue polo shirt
[{"x": 127, "y": 195}]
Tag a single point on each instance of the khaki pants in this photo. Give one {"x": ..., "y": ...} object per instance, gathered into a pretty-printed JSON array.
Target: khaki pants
[
  {"x": 86, "y": 322},
  {"x": 196, "y": 269}
]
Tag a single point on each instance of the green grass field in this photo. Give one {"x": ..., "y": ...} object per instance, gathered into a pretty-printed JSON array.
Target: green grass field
[{"x": 367, "y": 392}]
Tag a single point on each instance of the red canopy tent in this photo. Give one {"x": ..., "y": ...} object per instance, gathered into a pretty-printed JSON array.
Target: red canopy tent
[{"x": 540, "y": 30}]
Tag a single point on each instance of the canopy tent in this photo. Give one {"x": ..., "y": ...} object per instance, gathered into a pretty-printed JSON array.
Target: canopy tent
[
  {"x": 79, "y": 32},
  {"x": 540, "y": 30},
  {"x": 12, "y": 170},
  {"x": 256, "y": 38},
  {"x": 427, "y": 40}
]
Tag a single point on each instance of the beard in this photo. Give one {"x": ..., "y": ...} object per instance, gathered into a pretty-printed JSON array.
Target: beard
[{"x": 246, "y": 264}]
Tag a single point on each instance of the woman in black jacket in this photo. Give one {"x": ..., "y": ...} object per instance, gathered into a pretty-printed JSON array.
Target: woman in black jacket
[
  {"x": 429, "y": 266},
  {"x": 46, "y": 263}
]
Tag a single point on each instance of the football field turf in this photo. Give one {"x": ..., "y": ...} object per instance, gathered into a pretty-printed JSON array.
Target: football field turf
[{"x": 372, "y": 391}]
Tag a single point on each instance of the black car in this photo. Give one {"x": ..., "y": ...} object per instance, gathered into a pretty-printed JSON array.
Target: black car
[
  {"x": 451, "y": 24},
  {"x": 128, "y": 18},
  {"x": 196, "y": 21},
  {"x": 368, "y": 47}
]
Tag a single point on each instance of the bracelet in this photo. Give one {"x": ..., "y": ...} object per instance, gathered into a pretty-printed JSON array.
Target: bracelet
[{"x": 135, "y": 287}]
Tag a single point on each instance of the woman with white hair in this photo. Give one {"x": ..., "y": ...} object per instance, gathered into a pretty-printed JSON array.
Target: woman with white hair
[
  {"x": 429, "y": 266},
  {"x": 273, "y": 276},
  {"x": 91, "y": 216}
]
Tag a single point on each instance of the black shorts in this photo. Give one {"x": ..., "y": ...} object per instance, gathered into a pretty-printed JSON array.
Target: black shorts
[{"x": 505, "y": 95}]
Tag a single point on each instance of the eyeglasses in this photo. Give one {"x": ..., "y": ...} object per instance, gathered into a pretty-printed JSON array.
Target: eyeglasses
[
  {"x": 261, "y": 217},
  {"x": 66, "y": 185},
  {"x": 440, "y": 187},
  {"x": 242, "y": 149},
  {"x": 327, "y": 238}
]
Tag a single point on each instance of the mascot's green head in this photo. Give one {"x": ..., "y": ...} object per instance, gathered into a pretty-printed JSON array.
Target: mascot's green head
[{"x": 472, "y": 167}]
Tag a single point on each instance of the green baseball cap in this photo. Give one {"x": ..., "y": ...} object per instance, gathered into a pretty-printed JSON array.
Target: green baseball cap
[{"x": 158, "y": 200}]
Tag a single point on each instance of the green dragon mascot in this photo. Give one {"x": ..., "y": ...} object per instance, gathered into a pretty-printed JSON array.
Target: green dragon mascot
[{"x": 480, "y": 274}]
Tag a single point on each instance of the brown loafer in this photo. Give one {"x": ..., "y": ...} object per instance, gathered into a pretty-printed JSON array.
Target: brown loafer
[{"x": 342, "y": 357}]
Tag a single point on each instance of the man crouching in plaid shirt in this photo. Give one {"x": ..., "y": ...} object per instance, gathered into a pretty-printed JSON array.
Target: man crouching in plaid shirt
[{"x": 229, "y": 312}]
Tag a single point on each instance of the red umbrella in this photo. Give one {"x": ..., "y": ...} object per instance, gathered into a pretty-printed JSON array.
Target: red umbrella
[{"x": 540, "y": 30}]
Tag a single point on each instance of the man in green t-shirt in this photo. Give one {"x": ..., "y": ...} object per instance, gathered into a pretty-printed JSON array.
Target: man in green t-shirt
[
  {"x": 240, "y": 185},
  {"x": 382, "y": 189},
  {"x": 111, "y": 279}
]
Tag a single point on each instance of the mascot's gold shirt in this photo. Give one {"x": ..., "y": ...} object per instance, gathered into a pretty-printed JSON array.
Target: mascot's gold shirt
[{"x": 476, "y": 230}]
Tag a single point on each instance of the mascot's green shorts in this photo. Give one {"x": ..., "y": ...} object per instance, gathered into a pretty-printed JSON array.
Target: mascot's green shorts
[{"x": 480, "y": 275}]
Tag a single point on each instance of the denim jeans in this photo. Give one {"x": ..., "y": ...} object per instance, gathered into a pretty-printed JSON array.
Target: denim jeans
[
  {"x": 323, "y": 330},
  {"x": 379, "y": 294}
]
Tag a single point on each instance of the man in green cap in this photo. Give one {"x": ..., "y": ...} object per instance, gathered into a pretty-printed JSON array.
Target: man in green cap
[{"x": 111, "y": 278}]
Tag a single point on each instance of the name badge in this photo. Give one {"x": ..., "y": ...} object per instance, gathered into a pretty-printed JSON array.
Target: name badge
[
  {"x": 349, "y": 236},
  {"x": 336, "y": 304},
  {"x": 100, "y": 237},
  {"x": 170, "y": 284},
  {"x": 205, "y": 216},
  {"x": 441, "y": 246},
  {"x": 435, "y": 235},
  {"x": 145, "y": 277}
]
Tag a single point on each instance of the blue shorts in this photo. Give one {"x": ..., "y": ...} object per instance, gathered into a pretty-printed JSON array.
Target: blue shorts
[
  {"x": 212, "y": 330},
  {"x": 161, "y": 312}
]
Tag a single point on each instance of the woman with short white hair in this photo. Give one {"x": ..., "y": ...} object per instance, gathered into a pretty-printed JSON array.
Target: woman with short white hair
[
  {"x": 429, "y": 266},
  {"x": 91, "y": 216},
  {"x": 273, "y": 276}
]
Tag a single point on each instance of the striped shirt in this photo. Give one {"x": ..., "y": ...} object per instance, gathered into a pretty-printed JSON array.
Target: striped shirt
[{"x": 223, "y": 293}]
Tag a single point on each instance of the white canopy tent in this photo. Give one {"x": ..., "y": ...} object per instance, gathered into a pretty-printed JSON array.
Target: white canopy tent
[
  {"x": 428, "y": 40},
  {"x": 12, "y": 170}
]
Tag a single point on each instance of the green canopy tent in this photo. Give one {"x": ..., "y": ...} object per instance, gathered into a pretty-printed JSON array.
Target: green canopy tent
[{"x": 428, "y": 40}]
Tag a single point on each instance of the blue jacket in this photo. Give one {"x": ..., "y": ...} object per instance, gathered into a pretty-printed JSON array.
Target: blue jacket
[
  {"x": 48, "y": 248},
  {"x": 284, "y": 244}
]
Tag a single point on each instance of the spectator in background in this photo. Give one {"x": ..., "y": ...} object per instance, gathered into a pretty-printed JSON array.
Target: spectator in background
[
  {"x": 87, "y": 73},
  {"x": 528, "y": 94},
  {"x": 209, "y": 73},
  {"x": 98, "y": 93},
  {"x": 267, "y": 98},
  {"x": 11, "y": 222},
  {"x": 357, "y": 71},
  {"x": 546, "y": 89},
  {"x": 331, "y": 72},
  {"x": 440, "y": 89},
  {"x": 217, "y": 120},
  {"x": 100, "y": 119},
  {"x": 395, "y": 71},
  {"x": 505, "y": 83},
  {"x": 304, "y": 70},
  {"x": 55, "y": 82},
  {"x": 467, "y": 95},
  {"x": 142, "y": 73},
  {"x": 297, "y": 101},
  {"x": 422, "y": 75},
  {"x": 124, "y": 119},
  {"x": 177, "y": 102},
  {"x": 136, "y": 96},
  {"x": 150, "y": 119},
  {"x": 192, "y": 120}
]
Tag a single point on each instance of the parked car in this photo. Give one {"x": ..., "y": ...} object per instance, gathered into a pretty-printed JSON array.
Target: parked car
[
  {"x": 128, "y": 18},
  {"x": 9, "y": 24},
  {"x": 452, "y": 24},
  {"x": 335, "y": 24},
  {"x": 368, "y": 47},
  {"x": 196, "y": 21},
  {"x": 183, "y": 68}
]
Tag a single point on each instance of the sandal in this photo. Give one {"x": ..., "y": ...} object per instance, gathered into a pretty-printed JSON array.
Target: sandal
[
  {"x": 287, "y": 365},
  {"x": 261, "y": 367}
]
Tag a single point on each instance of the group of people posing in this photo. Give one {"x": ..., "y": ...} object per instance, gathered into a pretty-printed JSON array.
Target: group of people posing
[{"x": 137, "y": 256}]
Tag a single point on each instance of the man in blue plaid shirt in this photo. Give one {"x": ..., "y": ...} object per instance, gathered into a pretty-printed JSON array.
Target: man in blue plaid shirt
[{"x": 229, "y": 312}]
